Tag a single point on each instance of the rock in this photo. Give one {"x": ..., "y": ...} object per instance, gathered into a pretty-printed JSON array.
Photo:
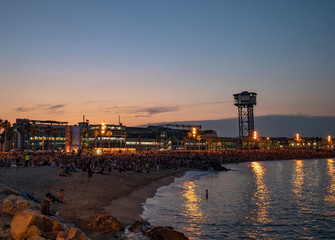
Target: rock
[
  {"x": 5, "y": 232},
  {"x": 23, "y": 220},
  {"x": 106, "y": 223},
  {"x": 33, "y": 231},
  {"x": 140, "y": 226},
  {"x": 218, "y": 167},
  {"x": 37, "y": 238},
  {"x": 165, "y": 233},
  {"x": 15, "y": 204},
  {"x": 73, "y": 234},
  {"x": 62, "y": 235},
  {"x": 76, "y": 234}
]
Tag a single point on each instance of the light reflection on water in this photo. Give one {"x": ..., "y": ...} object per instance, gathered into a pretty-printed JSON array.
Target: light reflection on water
[
  {"x": 258, "y": 200},
  {"x": 330, "y": 197},
  {"x": 192, "y": 208},
  {"x": 298, "y": 179}
]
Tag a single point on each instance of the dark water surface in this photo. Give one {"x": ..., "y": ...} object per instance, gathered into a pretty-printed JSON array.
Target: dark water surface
[{"x": 259, "y": 200}]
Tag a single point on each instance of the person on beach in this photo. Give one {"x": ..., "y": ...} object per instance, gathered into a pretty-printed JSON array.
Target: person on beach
[
  {"x": 60, "y": 197},
  {"x": 45, "y": 206},
  {"x": 26, "y": 160},
  {"x": 206, "y": 193},
  {"x": 89, "y": 171}
]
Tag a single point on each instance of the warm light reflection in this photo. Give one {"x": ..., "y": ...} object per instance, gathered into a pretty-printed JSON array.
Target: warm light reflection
[
  {"x": 261, "y": 195},
  {"x": 298, "y": 179},
  {"x": 330, "y": 197},
  {"x": 192, "y": 208}
]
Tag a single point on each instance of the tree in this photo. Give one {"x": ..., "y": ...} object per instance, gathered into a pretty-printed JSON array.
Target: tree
[
  {"x": 5, "y": 125},
  {"x": 96, "y": 134},
  {"x": 208, "y": 141},
  {"x": 55, "y": 133},
  {"x": 83, "y": 135},
  {"x": 189, "y": 136},
  {"x": 199, "y": 139},
  {"x": 139, "y": 139},
  {"x": 158, "y": 141},
  {"x": 109, "y": 133},
  {"x": 48, "y": 131},
  {"x": 34, "y": 131},
  {"x": 22, "y": 129}
]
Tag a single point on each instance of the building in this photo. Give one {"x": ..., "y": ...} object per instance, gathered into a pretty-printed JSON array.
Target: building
[{"x": 39, "y": 135}]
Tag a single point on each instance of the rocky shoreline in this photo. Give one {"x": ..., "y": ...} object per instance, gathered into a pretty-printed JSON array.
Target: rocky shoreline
[{"x": 21, "y": 219}]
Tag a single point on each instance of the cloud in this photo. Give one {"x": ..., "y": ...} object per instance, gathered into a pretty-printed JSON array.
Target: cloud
[
  {"x": 148, "y": 112},
  {"x": 42, "y": 108}
]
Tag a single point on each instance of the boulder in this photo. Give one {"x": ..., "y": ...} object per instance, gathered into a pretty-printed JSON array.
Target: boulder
[
  {"x": 24, "y": 220},
  {"x": 140, "y": 226},
  {"x": 106, "y": 223},
  {"x": 165, "y": 233},
  {"x": 73, "y": 234},
  {"x": 37, "y": 238},
  {"x": 5, "y": 231},
  {"x": 33, "y": 231},
  {"x": 76, "y": 234},
  {"x": 15, "y": 204}
]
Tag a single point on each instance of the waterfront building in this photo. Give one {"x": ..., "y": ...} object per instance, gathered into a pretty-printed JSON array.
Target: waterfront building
[{"x": 38, "y": 135}]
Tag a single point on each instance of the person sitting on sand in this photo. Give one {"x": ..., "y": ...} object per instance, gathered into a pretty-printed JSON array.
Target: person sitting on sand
[
  {"x": 45, "y": 206},
  {"x": 60, "y": 197}
]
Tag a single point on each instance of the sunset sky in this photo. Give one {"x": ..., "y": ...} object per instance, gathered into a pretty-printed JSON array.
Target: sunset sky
[{"x": 159, "y": 61}]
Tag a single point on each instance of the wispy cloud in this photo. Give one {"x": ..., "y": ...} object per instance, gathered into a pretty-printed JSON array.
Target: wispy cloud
[
  {"x": 148, "y": 112},
  {"x": 43, "y": 108}
]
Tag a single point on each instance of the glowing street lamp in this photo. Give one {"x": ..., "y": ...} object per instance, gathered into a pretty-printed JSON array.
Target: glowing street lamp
[
  {"x": 297, "y": 137},
  {"x": 255, "y": 135},
  {"x": 194, "y": 132},
  {"x": 103, "y": 128},
  {"x": 329, "y": 139}
]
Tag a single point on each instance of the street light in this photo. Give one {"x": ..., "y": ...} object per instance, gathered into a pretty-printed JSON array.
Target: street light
[
  {"x": 329, "y": 139},
  {"x": 255, "y": 135},
  {"x": 297, "y": 137}
]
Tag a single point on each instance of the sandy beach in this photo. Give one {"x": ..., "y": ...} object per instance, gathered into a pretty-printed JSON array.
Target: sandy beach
[{"x": 120, "y": 195}]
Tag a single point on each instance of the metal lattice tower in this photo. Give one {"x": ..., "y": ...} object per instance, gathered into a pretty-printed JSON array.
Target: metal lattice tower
[{"x": 245, "y": 101}]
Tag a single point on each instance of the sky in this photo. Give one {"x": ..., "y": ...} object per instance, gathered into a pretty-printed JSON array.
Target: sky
[{"x": 159, "y": 61}]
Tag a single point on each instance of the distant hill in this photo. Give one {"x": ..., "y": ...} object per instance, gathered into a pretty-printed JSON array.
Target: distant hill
[{"x": 272, "y": 126}]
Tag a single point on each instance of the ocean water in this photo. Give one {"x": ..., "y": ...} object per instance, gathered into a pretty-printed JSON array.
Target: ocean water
[{"x": 293, "y": 199}]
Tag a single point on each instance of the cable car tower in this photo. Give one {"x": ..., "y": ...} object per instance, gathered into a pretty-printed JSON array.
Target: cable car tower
[{"x": 245, "y": 101}]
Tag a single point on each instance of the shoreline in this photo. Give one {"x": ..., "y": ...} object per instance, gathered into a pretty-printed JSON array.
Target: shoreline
[{"x": 128, "y": 209}]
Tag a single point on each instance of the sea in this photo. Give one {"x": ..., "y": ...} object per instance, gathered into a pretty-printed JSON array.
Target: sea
[{"x": 288, "y": 199}]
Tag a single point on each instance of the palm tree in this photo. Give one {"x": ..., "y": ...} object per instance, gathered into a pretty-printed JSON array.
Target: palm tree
[
  {"x": 173, "y": 140},
  {"x": 217, "y": 143},
  {"x": 125, "y": 140},
  {"x": 0, "y": 129},
  {"x": 48, "y": 131},
  {"x": 139, "y": 139},
  {"x": 185, "y": 141},
  {"x": 109, "y": 133},
  {"x": 83, "y": 135},
  {"x": 5, "y": 125},
  {"x": 158, "y": 141},
  {"x": 199, "y": 138},
  {"x": 96, "y": 134},
  {"x": 189, "y": 136},
  {"x": 55, "y": 133},
  {"x": 208, "y": 141},
  {"x": 21, "y": 128},
  {"x": 34, "y": 131}
]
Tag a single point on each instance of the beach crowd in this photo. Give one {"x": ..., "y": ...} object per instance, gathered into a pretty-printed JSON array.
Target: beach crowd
[{"x": 147, "y": 161}]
